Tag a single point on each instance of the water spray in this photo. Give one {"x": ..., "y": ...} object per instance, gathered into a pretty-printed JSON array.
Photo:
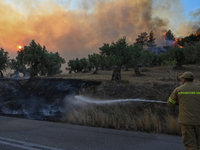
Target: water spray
[{"x": 87, "y": 100}]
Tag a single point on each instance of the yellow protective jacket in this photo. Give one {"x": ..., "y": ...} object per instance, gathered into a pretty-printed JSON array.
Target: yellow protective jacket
[{"x": 187, "y": 97}]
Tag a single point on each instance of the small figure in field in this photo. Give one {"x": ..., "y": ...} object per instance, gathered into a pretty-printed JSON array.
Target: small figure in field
[
  {"x": 187, "y": 97},
  {"x": 116, "y": 75}
]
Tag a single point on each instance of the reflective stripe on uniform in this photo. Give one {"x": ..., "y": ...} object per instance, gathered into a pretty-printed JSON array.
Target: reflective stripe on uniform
[
  {"x": 172, "y": 101},
  {"x": 188, "y": 93}
]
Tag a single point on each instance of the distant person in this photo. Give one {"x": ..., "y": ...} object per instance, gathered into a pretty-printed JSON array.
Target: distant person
[{"x": 187, "y": 97}]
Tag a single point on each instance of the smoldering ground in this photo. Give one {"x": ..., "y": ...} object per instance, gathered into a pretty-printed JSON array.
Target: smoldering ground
[
  {"x": 41, "y": 99},
  {"x": 51, "y": 99},
  {"x": 57, "y": 100},
  {"x": 82, "y": 30}
]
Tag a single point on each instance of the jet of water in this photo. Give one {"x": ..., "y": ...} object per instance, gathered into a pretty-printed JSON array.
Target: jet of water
[{"x": 87, "y": 100}]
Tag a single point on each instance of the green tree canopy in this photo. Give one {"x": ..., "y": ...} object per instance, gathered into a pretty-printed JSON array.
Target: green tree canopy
[
  {"x": 192, "y": 53},
  {"x": 177, "y": 54},
  {"x": 4, "y": 61},
  {"x": 84, "y": 64},
  {"x": 96, "y": 61},
  {"x": 120, "y": 53},
  {"x": 39, "y": 59},
  {"x": 116, "y": 54},
  {"x": 169, "y": 35},
  {"x": 52, "y": 63},
  {"x": 151, "y": 40},
  {"x": 75, "y": 65},
  {"x": 32, "y": 56},
  {"x": 18, "y": 66},
  {"x": 142, "y": 39}
]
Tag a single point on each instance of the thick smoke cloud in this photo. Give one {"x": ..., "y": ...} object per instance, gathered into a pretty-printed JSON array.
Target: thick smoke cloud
[{"x": 81, "y": 31}]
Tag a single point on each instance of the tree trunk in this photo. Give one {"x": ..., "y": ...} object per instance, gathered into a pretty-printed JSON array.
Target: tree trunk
[
  {"x": 16, "y": 73},
  {"x": 170, "y": 71},
  {"x": 137, "y": 71},
  {"x": 85, "y": 70},
  {"x": 70, "y": 71},
  {"x": 24, "y": 74},
  {"x": 34, "y": 70},
  {"x": 126, "y": 68},
  {"x": 102, "y": 67},
  {"x": 50, "y": 73},
  {"x": 179, "y": 64},
  {"x": 42, "y": 73},
  {"x": 116, "y": 75},
  {"x": 1, "y": 74},
  {"x": 95, "y": 72}
]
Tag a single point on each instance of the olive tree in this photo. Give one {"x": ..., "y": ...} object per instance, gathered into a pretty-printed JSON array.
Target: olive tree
[
  {"x": 84, "y": 64},
  {"x": 32, "y": 56},
  {"x": 116, "y": 55},
  {"x": 151, "y": 40},
  {"x": 4, "y": 61},
  {"x": 192, "y": 53},
  {"x": 177, "y": 54},
  {"x": 170, "y": 61},
  {"x": 18, "y": 67},
  {"x": 142, "y": 39},
  {"x": 95, "y": 61},
  {"x": 52, "y": 64},
  {"x": 40, "y": 60},
  {"x": 75, "y": 65}
]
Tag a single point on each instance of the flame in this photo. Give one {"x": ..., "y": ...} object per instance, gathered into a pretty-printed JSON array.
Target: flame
[
  {"x": 165, "y": 33},
  {"x": 176, "y": 42},
  {"x": 197, "y": 34}
]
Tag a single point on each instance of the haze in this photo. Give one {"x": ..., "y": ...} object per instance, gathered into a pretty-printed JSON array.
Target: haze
[{"x": 78, "y": 28}]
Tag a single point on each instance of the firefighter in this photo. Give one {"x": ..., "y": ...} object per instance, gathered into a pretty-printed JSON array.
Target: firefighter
[{"x": 187, "y": 97}]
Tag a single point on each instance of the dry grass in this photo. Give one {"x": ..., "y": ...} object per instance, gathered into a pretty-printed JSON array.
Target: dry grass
[
  {"x": 156, "y": 119},
  {"x": 154, "y": 75}
]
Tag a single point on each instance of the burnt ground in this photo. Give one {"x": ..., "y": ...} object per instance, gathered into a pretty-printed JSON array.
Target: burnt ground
[
  {"x": 45, "y": 99},
  {"x": 42, "y": 99},
  {"x": 112, "y": 90}
]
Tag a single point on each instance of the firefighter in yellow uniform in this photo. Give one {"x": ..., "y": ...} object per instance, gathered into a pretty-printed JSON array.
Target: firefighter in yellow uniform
[{"x": 187, "y": 97}]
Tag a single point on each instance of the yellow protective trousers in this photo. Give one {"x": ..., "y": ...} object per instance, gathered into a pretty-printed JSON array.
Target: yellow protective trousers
[{"x": 191, "y": 136}]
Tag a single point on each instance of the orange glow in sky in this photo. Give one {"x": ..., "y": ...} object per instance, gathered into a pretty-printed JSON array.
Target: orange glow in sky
[
  {"x": 19, "y": 47},
  {"x": 81, "y": 31}
]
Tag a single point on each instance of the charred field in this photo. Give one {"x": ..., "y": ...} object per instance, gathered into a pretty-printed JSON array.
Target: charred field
[{"x": 54, "y": 99}]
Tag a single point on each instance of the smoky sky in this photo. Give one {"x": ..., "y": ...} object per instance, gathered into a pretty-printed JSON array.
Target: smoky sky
[{"x": 81, "y": 31}]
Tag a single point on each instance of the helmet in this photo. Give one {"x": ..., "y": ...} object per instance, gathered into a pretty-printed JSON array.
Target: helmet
[{"x": 187, "y": 75}]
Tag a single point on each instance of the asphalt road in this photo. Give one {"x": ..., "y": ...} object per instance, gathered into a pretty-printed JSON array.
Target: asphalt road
[{"x": 17, "y": 134}]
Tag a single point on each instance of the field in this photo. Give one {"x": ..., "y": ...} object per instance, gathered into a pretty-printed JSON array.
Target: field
[
  {"x": 134, "y": 116},
  {"x": 159, "y": 75}
]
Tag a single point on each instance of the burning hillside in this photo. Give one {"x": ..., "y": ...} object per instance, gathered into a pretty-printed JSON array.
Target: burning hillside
[{"x": 81, "y": 31}]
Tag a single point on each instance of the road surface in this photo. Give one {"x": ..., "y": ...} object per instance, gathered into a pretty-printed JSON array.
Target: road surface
[{"x": 19, "y": 134}]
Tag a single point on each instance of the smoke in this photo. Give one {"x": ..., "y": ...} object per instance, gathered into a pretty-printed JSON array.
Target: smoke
[
  {"x": 196, "y": 13},
  {"x": 82, "y": 30}
]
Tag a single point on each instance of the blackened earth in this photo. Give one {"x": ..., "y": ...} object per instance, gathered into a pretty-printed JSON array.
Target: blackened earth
[{"x": 47, "y": 99}]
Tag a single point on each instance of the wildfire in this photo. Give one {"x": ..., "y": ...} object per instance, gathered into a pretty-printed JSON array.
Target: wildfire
[
  {"x": 176, "y": 42},
  {"x": 180, "y": 39},
  {"x": 165, "y": 33},
  {"x": 197, "y": 34}
]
